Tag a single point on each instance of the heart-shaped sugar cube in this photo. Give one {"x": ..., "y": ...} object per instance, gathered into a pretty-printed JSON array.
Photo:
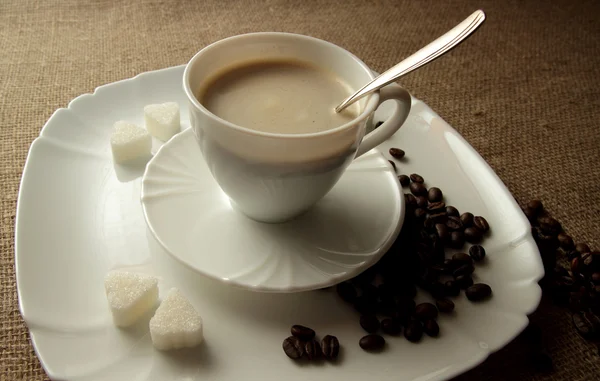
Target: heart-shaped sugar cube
[
  {"x": 162, "y": 120},
  {"x": 130, "y": 295},
  {"x": 176, "y": 324}
]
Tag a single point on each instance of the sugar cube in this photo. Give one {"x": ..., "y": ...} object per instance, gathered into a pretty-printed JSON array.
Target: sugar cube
[
  {"x": 129, "y": 142},
  {"x": 130, "y": 295},
  {"x": 176, "y": 324},
  {"x": 162, "y": 120}
]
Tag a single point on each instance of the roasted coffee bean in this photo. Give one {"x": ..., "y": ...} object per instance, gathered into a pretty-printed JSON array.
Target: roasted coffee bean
[
  {"x": 407, "y": 305},
  {"x": 560, "y": 298},
  {"x": 391, "y": 326},
  {"x": 439, "y": 269},
  {"x": 460, "y": 259},
  {"x": 302, "y": 332},
  {"x": 365, "y": 305},
  {"x": 420, "y": 214},
  {"x": 437, "y": 290},
  {"x": 478, "y": 291},
  {"x": 425, "y": 260},
  {"x": 422, "y": 202},
  {"x": 464, "y": 281},
  {"x": 477, "y": 252},
  {"x": 452, "y": 211},
  {"x": 578, "y": 300},
  {"x": 312, "y": 349},
  {"x": 481, "y": 224},
  {"x": 425, "y": 311},
  {"x": 397, "y": 153},
  {"x": 587, "y": 324},
  {"x": 431, "y": 328},
  {"x": 549, "y": 225},
  {"x": 364, "y": 279},
  {"x": 531, "y": 214},
  {"x": 410, "y": 291},
  {"x": 433, "y": 219},
  {"x": 437, "y": 246},
  {"x": 457, "y": 239},
  {"x": 435, "y": 194},
  {"x": 535, "y": 205},
  {"x": 449, "y": 263},
  {"x": 330, "y": 347},
  {"x": 420, "y": 236},
  {"x": 293, "y": 347},
  {"x": 561, "y": 288},
  {"x": 426, "y": 278},
  {"x": 565, "y": 241},
  {"x": 372, "y": 342},
  {"x": 437, "y": 207},
  {"x": 442, "y": 232},
  {"x": 400, "y": 316},
  {"x": 463, "y": 270},
  {"x": 384, "y": 291},
  {"x": 547, "y": 244},
  {"x": 548, "y": 257},
  {"x": 418, "y": 189},
  {"x": 410, "y": 200},
  {"x": 467, "y": 219},
  {"x": 586, "y": 257},
  {"x": 416, "y": 178},
  {"x": 595, "y": 278},
  {"x": 369, "y": 323},
  {"x": 445, "y": 305},
  {"x": 386, "y": 306},
  {"x": 393, "y": 165},
  {"x": 452, "y": 288},
  {"x": 454, "y": 223},
  {"x": 582, "y": 248},
  {"x": 593, "y": 262},
  {"x": 404, "y": 180},
  {"x": 576, "y": 265},
  {"x": 369, "y": 290},
  {"x": 413, "y": 331},
  {"x": 346, "y": 291},
  {"x": 473, "y": 235},
  {"x": 559, "y": 271}
]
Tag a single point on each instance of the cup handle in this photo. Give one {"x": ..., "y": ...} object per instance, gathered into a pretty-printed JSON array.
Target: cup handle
[{"x": 392, "y": 124}]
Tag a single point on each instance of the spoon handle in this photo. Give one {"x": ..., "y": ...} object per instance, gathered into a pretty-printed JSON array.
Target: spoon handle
[{"x": 422, "y": 57}]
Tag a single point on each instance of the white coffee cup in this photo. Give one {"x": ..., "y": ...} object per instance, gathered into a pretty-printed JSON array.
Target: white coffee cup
[{"x": 273, "y": 177}]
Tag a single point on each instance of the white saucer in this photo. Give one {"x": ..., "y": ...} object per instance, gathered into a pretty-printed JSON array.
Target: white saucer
[{"x": 342, "y": 235}]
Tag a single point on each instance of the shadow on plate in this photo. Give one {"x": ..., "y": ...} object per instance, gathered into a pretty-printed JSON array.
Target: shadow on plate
[{"x": 131, "y": 170}]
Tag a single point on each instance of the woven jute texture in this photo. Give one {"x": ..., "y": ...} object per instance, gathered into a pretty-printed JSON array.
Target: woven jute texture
[{"x": 524, "y": 91}]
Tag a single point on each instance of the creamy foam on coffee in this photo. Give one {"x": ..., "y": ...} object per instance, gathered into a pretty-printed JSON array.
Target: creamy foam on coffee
[{"x": 278, "y": 96}]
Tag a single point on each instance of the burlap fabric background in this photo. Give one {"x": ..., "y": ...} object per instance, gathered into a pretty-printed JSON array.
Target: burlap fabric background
[{"x": 524, "y": 91}]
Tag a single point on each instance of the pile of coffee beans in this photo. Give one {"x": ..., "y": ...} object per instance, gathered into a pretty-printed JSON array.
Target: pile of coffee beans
[
  {"x": 572, "y": 270},
  {"x": 384, "y": 294},
  {"x": 303, "y": 344}
]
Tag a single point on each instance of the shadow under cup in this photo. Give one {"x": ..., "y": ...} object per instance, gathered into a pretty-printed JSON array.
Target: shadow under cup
[{"x": 275, "y": 177}]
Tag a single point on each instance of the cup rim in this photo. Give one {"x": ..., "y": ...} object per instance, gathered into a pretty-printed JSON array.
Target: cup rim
[{"x": 372, "y": 100}]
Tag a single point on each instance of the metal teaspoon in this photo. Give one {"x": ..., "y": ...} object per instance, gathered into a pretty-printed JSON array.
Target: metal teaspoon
[{"x": 435, "y": 49}]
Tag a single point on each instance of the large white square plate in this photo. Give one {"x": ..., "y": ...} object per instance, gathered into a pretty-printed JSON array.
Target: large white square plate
[{"x": 78, "y": 217}]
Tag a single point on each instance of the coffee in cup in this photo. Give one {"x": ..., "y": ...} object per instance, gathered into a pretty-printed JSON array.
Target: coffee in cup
[{"x": 278, "y": 96}]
